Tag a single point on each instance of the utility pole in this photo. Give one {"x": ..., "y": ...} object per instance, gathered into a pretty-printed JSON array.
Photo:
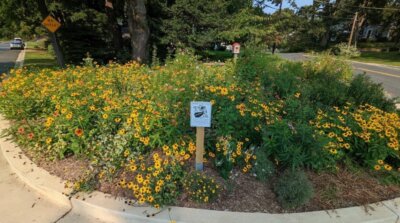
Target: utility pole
[
  {"x": 352, "y": 29},
  {"x": 279, "y": 13}
]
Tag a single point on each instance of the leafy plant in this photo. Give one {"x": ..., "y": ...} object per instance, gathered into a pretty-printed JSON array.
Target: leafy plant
[
  {"x": 293, "y": 189},
  {"x": 200, "y": 187},
  {"x": 264, "y": 168},
  {"x": 363, "y": 90},
  {"x": 344, "y": 50}
]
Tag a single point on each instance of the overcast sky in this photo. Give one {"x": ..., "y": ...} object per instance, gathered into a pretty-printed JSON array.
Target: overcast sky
[{"x": 286, "y": 5}]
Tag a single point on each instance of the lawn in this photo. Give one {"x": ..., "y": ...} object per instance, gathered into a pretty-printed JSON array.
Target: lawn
[
  {"x": 39, "y": 58},
  {"x": 387, "y": 58}
]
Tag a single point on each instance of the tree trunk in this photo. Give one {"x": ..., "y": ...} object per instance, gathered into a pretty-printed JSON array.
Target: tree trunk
[
  {"x": 325, "y": 39},
  {"x": 113, "y": 26},
  {"x": 44, "y": 12},
  {"x": 279, "y": 13},
  {"x": 139, "y": 29}
]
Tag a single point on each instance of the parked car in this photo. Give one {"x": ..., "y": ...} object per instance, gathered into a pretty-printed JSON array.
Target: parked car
[{"x": 17, "y": 43}]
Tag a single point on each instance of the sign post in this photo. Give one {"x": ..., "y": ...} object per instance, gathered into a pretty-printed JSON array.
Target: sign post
[
  {"x": 200, "y": 117},
  {"x": 52, "y": 26}
]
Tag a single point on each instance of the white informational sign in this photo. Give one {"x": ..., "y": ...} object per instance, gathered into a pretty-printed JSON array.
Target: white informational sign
[{"x": 200, "y": 114}]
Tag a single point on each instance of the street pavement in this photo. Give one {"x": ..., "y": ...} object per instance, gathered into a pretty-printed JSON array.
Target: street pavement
[
  {"x": 7, "y": 57},
  {"x": 389, "y": 76}
]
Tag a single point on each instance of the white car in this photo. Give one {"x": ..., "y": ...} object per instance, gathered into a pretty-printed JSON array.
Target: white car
[{"x": 17, "y": 43}]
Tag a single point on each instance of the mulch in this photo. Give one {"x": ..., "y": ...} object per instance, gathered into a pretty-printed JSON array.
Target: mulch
[{"x": 242, "y": 192}]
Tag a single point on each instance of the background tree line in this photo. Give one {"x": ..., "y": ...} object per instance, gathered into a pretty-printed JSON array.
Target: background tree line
[{"x": 97, "y": 27}]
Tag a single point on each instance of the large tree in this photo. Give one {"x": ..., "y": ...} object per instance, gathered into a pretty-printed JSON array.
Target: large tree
[{"x": 139, "y": 29}]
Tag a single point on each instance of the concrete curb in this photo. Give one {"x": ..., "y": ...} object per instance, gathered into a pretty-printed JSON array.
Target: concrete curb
[
  {"x": 110, "y": 209},
  {"x": 19, "y": 63}
]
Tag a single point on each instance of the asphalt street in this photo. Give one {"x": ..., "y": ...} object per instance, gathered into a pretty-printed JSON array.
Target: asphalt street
[
  {"x": 7, "y": 57},
  {"x": 388, "y": 76}
]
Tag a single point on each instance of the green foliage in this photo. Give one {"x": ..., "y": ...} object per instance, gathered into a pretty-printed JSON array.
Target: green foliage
[
  {"x": 363, "y": 90},
  {"x": 293, "y": 189},
  {"x": 344, "y": 50},
  {"x": 200, "y": 188},
  {"x": 194, "y": 24},
  {"x": 295, "y": 145},
  {"x": 213, "y": 55},
  {"x": 322, "y": 66},
  {"x": 264, "y": 168}
]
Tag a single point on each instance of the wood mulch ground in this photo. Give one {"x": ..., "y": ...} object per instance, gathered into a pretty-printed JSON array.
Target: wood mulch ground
[{"x": 242, "y": 192}]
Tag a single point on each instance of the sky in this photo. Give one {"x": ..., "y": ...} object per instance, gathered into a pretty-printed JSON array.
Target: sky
[{"x": 286, "y": 5}]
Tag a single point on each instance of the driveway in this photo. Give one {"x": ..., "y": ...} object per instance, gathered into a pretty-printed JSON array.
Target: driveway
[
  {"x": 7, "y": 57},
  {"x": 388, "y": 76}
]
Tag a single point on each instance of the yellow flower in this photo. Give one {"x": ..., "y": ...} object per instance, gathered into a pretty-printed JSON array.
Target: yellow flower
[
  {"x": 380, "y": 162},
  {"x": 333, "y": 151},
  {"x": 48, "y": 140},
  {"x": 69, "y": 116},
  {"x": 129, "y": 120},
  {"x": 121, "y": 132},
  {"x": 117, "y": 120},
  {"x": 224, "y": 91},
  {"x": 105, "y": 116},
  {"x": 297, "y": 95},
  {"x": 388, "y": 167},
  {"x": 377, "y": 167}
]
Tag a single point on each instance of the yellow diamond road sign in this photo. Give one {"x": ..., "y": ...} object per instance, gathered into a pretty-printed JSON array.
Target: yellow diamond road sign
[{"x": 51, "y": 24}]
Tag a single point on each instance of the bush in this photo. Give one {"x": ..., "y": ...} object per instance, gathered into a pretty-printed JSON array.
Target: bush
[
  {"x": 363, "y": 91},
  {"x": 344, "y": 50},
  {"x": 322, "y": 67},
  {"x": 264, "y": 168},
  {"x": 295, "y": 145},
  {"x": 293, "y": 189}
]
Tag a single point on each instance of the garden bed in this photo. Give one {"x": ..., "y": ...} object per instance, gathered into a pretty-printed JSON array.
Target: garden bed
[
  {"x": 243, "y": 193},
  {"x": 281, "y": 139}
]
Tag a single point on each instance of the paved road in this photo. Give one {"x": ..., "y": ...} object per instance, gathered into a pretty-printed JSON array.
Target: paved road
[
  {"x": 388, "y": 76},
  {"x": 7, "y": 57}
]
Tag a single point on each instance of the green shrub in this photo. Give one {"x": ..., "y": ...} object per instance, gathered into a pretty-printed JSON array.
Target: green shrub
[
  {"x": 295, "y": 145},
  {"x": 253, "y": 65},
  {"x": 326, "y": 66},
  {"x": 318, "y": 92},
  {"x": 264, "y": 168},
  {"x": 344, "y": 50},
  {"x": 363, "y": 90},
  {"x": 293, "y": 189}
]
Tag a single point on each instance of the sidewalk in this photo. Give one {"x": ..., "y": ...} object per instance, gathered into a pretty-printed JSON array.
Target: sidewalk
[{"x": 20, "y": 204}]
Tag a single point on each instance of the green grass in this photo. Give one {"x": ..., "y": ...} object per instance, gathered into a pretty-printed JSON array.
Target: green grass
[
  {"x": 39, "y": 59},
  {"x": 387, "y": 58},
  {"x": 376, "y": 45},
  {"x": 38, "y": 44}
]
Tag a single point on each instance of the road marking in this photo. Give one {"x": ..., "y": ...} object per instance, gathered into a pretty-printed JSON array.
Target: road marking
[
  {"x": 364, "y": 63},
  {"x": 378, "y": 72}
]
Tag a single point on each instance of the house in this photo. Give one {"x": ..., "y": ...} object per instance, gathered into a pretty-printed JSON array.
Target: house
[{"x": 376, "y": 32}]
